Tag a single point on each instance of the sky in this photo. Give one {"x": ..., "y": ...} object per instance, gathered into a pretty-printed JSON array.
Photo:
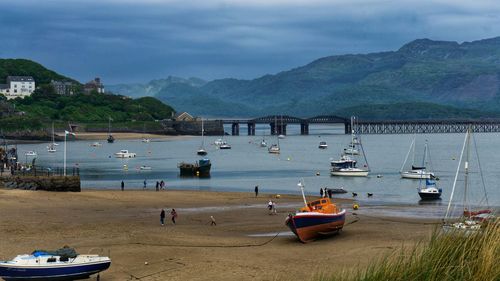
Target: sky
[{"x": 125, "y": 41}]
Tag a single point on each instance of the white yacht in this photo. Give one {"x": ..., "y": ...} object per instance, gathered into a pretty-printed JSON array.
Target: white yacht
[
  {"x": 322, "y": 145},
  {"x": 30, "y": 153},
  {"x": 125, "y": 154}
]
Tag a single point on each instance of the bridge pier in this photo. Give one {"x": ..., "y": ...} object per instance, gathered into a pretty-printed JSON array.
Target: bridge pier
[
  {"x": 281, "y": 129},
  {"x": 304, "y": 128},
  {"x": 235, "y": 129},
  {"x": 273, "y": 129},
  {"x": 251, "y": 128}
]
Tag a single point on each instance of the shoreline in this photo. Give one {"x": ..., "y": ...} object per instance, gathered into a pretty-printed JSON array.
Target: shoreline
[{"x": 125, "y": 225}]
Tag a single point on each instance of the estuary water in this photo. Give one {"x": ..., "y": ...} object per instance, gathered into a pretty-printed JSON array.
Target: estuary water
[{"x": 247, "y": 164}]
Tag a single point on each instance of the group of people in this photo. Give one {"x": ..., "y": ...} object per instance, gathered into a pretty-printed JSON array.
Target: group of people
[
  {"x": 325, "y": 192},
  {"x": 160, "y": 185},
  {"x": 271, "y": 206},
  {"x": 173, "y": 216}
]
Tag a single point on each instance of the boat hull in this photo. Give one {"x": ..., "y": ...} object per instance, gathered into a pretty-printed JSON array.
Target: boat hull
[
  {"x": 310, "y": 226},
  {"x": 429, "y": 195},
  {"x": 417, "y": 176},
  {"x": 55, "y": 273},
  {"x": 193, "y": 171},
  {"x": 349, "y": 173}
]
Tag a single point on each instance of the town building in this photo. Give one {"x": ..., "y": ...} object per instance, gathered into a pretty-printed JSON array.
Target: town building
[
  {"x": 63, "y": 87},
  {"x": 183, "y": 116},
  {"x": 94, "y": 85},
  {"x": 18, "y": 87}
]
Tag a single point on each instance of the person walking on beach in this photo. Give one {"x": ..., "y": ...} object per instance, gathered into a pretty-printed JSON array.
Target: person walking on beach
[
  {"x": 157, "y": 186},
  {"x": 274, "y": 208},
  {"x": 173, "y": 213},
  {"x": 123, "y": 185},
  {"x": 212, "y": 221},
  {"x": 330, "y": 193},
  {"x": 162, "y": 185},
  {"x": 321, "y": 192},
  {"x": 162, "y": 217},
  {"x": 145, "y": 183},
  {"x": 270, "y": 206},
  {"x": 256, "y": 190}
]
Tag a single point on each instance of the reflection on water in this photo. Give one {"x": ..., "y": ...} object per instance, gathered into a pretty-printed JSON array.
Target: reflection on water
[{"x": 247, "y": 164}]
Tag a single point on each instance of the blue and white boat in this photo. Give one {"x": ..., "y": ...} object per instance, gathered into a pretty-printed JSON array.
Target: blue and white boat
[{"x": 63, "y": 264}]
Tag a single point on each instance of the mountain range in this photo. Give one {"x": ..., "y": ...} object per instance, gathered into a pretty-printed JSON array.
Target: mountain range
[{"x": 438, "y": 78}]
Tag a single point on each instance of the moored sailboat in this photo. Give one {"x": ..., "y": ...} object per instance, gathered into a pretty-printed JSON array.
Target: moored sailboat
[
  {"x": 110, "y": 139},
  {"x": 416, "y": 172},
  {"x": 52, "y": 147},
  {"x": 201, "y": 151},
  {"x": 346, "y": 166},
  {"x": 472, "y": 218},
  {"x": 317, "y": 218}
]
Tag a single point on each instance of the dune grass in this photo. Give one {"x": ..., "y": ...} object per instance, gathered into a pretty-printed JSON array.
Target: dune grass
[{"x": 451, "y": 256}]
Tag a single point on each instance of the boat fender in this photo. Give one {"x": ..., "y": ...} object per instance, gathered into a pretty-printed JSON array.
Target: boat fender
[{"x": 355, "y": 206}]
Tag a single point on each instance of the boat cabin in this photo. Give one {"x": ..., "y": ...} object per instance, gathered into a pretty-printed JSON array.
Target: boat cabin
[{"x": 323, "y": 205}]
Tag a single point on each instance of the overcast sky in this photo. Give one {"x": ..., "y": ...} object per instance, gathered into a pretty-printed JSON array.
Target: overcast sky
[{"x": 136, "y": 41}]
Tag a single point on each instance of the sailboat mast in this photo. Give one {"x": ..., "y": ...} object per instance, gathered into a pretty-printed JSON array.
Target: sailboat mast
[
  {"x": 352, "y": 132},
  {"x": 456, "y": 175},
  {"x": 301, "y": 185},
  {"x": 423, "y": 165},
  {"x": 202, "y": 133},
  {"x": 53, "y": 133},
  {"x": 466, "y": 170},
  {"x": 408, "y": 154}
]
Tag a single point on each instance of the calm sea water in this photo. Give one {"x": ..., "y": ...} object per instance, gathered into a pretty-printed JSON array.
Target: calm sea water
[{"x": 247, "y": 164}]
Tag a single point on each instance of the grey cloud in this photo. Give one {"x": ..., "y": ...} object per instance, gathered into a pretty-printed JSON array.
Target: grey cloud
[{"x": 124, "y": 41}]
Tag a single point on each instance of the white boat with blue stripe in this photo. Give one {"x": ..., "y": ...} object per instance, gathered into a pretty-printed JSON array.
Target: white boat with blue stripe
[{"x": 63, "y": 264}]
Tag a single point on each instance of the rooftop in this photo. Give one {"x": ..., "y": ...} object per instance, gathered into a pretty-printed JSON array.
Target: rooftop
[{"x": 20, "y": 79}]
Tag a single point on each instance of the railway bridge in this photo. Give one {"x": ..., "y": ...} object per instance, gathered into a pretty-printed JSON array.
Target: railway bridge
[{"x": 278, "y": 125}]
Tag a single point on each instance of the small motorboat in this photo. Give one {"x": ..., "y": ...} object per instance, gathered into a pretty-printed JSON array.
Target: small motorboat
[
  {"x": 201, "y": 152},
  {"x": 96, "y": 144},
  {"x": 30, "y": 153},
  {"x": 145, "y": 168},
  {"x": 322, "y": 145},
  {"x": 317, "y": 218},
  {"x": 125, "y": 154},
  {"x": 111, "y": 139},
  {"x": 346, "y": 167},
  {"x": 146, "y": 140},
  {"x": 281, "y": 136},
  {"x": 219, "y": 142},
  {"x": 62, "y": 264},
  {"x": 225, "y": 146},
  {"x": 263, "y": 143},
  {"x": 274, "y": 149},
  {"x": 51, "y": 148}
]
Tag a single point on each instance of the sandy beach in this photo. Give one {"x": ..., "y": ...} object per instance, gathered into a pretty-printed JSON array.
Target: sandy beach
[
  {"x": 126, "y": 226},
  {"x": 104, "y": 135}
]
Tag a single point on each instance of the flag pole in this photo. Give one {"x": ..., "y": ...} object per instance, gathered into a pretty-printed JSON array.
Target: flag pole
[{"x": 65, "y": 135}]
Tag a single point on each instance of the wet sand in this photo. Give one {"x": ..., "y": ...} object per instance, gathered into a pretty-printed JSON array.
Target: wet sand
[
  {"x": 118, "y": 136},
  {"x": 125, "y": 225}
]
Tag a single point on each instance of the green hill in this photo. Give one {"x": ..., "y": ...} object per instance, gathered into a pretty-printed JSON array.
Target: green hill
[
  {"x": 463, "y": 76},
  {"x": 45, "y": 106},
  {"x": 23, "y": 67}
]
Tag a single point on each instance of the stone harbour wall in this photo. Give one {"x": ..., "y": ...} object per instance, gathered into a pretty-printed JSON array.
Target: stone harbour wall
[{"x": 52, "y": 183}]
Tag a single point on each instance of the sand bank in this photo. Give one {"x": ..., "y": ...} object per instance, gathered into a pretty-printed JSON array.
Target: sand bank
[
  {"x": 126, "y": 226},
  {"x": 118, "y": 136}
]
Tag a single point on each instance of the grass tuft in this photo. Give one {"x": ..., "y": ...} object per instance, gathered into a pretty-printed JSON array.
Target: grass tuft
[{"x": 446, "y": 257}]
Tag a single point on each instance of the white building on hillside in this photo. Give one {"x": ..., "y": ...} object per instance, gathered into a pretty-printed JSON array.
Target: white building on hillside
[{"x": 18, "y": 87}]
